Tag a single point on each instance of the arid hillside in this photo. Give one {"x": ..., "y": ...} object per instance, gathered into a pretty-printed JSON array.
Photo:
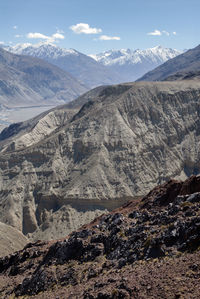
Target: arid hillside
[{"x": 117, "y": 142}]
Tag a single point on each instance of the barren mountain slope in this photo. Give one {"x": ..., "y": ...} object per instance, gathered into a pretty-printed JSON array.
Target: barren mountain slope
[
  {"x": 11, "y": 239},
  {"x": 184, "y": 63},
  {"x": 121, "y": 143},
  {"x": 28, "y": 81},
  {"x": 185, "y": 75},
  {"x": 23, "y": 134}
]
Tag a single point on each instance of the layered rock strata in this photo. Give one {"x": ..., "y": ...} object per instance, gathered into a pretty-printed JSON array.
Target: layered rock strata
[{"x": 122, "y": 142}]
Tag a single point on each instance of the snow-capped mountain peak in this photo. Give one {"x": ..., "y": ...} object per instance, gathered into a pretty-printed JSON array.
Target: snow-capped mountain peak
[
  {"x": 132, "y": 64},
  {"x": 47, "y": 50},
  {"x": 110, "y": 67},
  {"x": 82, "y": 67},
  {"x": 156, "y": 54}
]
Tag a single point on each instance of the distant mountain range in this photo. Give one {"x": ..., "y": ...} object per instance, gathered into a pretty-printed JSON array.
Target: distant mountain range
[
  {"x": 184, "y": 66},
  {"x": 131, "y": 64},
  {"x": 27, "y": 81},
  {"x": 114, "y": 66},
  {"x": 85, "y": 69}
]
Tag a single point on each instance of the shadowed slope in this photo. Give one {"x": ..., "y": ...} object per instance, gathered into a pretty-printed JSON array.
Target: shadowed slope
[{"x": 28, "y": 81}]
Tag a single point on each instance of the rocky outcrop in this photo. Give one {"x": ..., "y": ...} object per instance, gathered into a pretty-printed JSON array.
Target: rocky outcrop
[
  {"x": 148, "y": 248},
  {"x": 122, "y": 142},
  {"x": 59, "y": 223}
]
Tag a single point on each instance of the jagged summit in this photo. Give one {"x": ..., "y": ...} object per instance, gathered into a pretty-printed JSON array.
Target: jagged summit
[
  {"x": 157, "y": 54},
  {"x": 40, "y": 50},
  {"x": 131, "y": 64}
]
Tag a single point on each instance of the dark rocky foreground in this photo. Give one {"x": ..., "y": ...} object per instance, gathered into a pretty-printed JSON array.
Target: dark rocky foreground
[{"x": 148, "y": 248}]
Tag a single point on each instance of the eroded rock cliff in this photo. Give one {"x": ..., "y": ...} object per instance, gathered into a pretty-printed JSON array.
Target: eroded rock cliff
[{"x": 122, "y": 142}]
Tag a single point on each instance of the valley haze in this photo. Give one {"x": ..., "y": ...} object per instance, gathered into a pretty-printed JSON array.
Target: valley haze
[{"x": 106, "y": 68}]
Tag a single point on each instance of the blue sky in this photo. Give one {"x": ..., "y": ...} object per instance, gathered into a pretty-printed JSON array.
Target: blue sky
[{"x": 93, "y": 26}]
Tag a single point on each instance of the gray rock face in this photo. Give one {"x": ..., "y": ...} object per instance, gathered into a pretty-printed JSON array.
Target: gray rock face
[
  {"x": 123, "y": 141},
  {"x": 28, "y": 81}
]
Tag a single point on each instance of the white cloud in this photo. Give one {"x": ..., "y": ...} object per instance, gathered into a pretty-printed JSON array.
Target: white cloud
[
  {"x": 106, "y": 37},
  {"x": 84, "y": 28},
  {"x": 155, "y": 32},
  {"x": 58, "y": 36},
  {"x": 166, "y": 32},
  {"x": 2, "y": 43},
  {"x": 15, "y": 27},
  {"x": 37, "y": 35},
  {"x": 50, "y": 39},
  {"x": 18, "y": 35}
]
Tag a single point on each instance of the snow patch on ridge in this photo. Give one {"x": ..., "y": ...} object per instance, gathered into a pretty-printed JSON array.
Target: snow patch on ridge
[
  {"x": 157, "y": 54},
  {"x": 48, "y": 50}
]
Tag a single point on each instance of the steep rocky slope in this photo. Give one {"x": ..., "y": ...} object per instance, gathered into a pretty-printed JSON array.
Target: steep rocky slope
[
  {"x": 184, "y": 63},
  {"x": 185, "y": 75},
  {"x": 148, "y": 248},
  {"x": 123, "y": 141},
  {"x": 11, "y": 239},
  {"x": 28, "y": 81},
  {"x": 23, "y": 134}
]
